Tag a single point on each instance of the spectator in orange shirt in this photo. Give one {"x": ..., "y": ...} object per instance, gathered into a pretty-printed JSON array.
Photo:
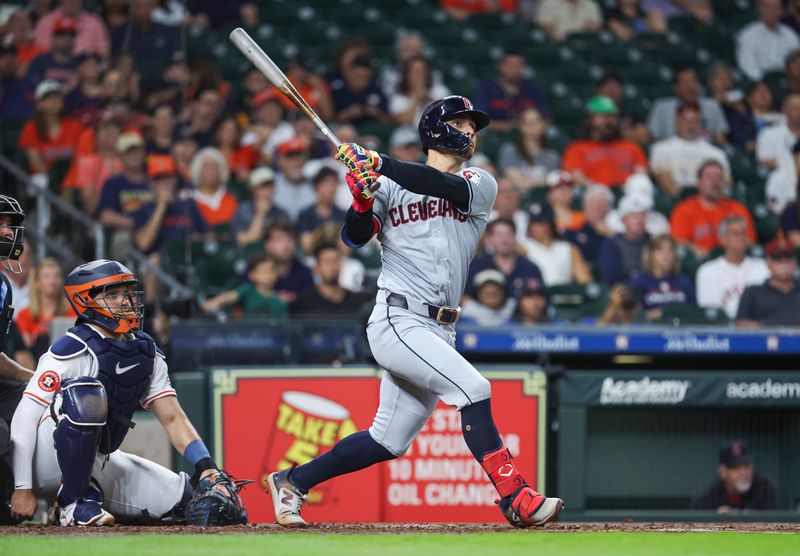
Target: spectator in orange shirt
[
  {"x": 48, "y": 136},
  {"x": 602, "y": 156},
  {"x": 210, "y": 175},
  {"x": 695, "y": 220},
  {"x": 46, "y": 301}
]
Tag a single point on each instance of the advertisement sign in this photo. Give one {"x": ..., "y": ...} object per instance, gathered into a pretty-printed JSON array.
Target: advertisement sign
[{"x": 269, "y": 419}]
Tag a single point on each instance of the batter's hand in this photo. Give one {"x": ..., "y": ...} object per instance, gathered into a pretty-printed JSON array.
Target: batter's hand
[
  {"x": 363, "y": 198},
  {"x": 357, "y": 158},
  {"x": 23, "y": 504}
]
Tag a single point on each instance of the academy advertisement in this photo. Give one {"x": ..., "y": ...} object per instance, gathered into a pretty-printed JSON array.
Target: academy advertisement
[{"x": 274, "y": 418}]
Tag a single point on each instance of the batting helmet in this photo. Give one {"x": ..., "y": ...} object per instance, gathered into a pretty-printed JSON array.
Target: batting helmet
[
  {"x": 11, "y": 240},
  {"x": 434, "y": 132},
  {"x": 83, "y": 284}
]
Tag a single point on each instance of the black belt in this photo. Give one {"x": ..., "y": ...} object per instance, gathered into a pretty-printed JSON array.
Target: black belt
[{"x": 442, "y": 315}]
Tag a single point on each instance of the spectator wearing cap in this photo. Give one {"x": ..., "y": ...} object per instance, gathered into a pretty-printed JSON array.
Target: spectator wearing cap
[
  {"x": 210, "y": 175},
  {"x": 280, "y": 243},
  {"x": 49, "y": 136},
  {"x": 675, "y": 161},
  {"x": 640, "y": 186},
  {"x": 686, "y": 88},
  {"x": 559, "y": 18},
  {"x": 738, "y": 487},
  {"x": 90, "y": 30},
  {"x": 59, "y": 62},
  {"x": 620, "y": 256},
  {"x": 150, "y": 44},
  {"x": 491, "y": 306},
  {"x": 415, "y": 92},
  {"x": 763, "y": 45},
  {"x": 15, "y": 103},
  {"x": 660, "y": 282},
  {"x": 125, "y": 193},
  {"x": 509, "y": 94},
  {"x": 532, "y": 306},
  {"x": 508, "y": 205},
  {"x": 559, "y": 261},
  {"x": 721, "y": 281},
  {"x": 253, "y": 217},
  {"x": 88, "y": 99},
  {"x": 404, "y": 144},
  {"x": 560, "y": 196},
  {"x": 257, "y": 296},
  {"x": 597, "y": 202},
  {"x": 268, "y": 130},
  {"x": 90, "y": 171},
  {"x": 602, "y": 155},
  {"x": 502, "y": 255},
  {"x": 695, "y": 220},
  {"x": 775, "y": 143},
  {"x": 357, "y": 99},
  {"x": 776, "y": 302},
  {"x": 293, "y": 191},
  {"x": 631, "y": 126},
  {"x": 169, "y": 216},
  {"x": 324, "y": 209},
  {"x": 527, "y": 160}
]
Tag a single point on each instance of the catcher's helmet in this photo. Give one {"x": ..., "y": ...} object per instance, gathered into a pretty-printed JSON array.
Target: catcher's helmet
[
  {"x": 11, "y": 240},
  {"x": 90, "y": 279},
  {"x": 434, "y": 132}
]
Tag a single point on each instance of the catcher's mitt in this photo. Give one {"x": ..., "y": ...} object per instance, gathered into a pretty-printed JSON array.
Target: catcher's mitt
[{"x": 216, "y": 501}]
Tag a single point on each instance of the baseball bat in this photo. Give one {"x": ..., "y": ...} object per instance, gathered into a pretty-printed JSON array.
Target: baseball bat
[{"x": 245, "y": 43}]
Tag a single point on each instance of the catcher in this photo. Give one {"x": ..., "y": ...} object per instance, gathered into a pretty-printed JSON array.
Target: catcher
[{"x": 79, "y": 405}]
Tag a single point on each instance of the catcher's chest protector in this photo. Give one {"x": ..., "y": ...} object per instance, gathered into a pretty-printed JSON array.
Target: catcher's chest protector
[{"x": 125, "y": 369}]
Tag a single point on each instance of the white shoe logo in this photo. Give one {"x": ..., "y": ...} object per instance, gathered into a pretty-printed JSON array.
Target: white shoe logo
[{"x": 121, "y": 370}]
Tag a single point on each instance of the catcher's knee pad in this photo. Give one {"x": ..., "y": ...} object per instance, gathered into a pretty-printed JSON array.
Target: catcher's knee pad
[{"x": 84, "y": 408}]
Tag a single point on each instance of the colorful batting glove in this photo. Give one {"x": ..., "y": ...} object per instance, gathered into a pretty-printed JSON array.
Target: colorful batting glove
[
  {"x": 357, "y": 158},
  {"x": 360, "y": 188}
]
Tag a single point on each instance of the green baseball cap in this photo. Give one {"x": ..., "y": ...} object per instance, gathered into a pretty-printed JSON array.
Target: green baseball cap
[{"x": 601, "y": 105}]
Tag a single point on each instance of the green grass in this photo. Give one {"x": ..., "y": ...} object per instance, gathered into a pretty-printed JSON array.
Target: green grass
[{"x": 516, "y": 543}]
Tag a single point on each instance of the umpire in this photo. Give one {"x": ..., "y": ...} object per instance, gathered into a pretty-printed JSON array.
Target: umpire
[{"x": 13, "y": 376}]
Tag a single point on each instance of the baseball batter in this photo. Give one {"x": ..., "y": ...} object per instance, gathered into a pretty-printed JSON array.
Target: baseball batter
[
  {"x": 79, "y": 405},
  {"x": 429, "y": 219}
]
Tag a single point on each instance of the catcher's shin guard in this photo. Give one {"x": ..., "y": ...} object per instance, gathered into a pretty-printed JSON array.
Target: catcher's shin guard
[{"x": 521, "y": 505}]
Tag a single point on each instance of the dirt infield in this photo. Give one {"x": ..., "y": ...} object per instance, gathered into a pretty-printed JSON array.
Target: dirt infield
[{"x": 399, "y": 528}]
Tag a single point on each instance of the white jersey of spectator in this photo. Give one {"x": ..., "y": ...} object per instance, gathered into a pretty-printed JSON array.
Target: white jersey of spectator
[
  {"x": 293, "y": 198},
  {"x": 171, "y": 12},
  {"x": 282, "y": 133},
  {"x": 720, "y": 283},
  {"x": 661, "y": 120},
  {"x": 760, "y": 49},
  {"x": 569, "y": 17},
  {"x": 429, "y": 260},
  {"x": 555, "y": 261},
  {"x": 682, "y": 157},
  {"x": 781, "y": 188},
  {"x": 775, "y": 143}
]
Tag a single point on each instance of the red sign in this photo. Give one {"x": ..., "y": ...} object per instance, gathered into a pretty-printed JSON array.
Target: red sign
[{"x": 271, "y": 419}]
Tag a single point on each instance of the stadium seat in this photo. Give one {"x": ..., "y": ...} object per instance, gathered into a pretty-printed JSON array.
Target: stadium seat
[
  {"x": 575, "y": 301},
  {"x": 689, "y": 262},
  {"x": 688, "y": 313}
]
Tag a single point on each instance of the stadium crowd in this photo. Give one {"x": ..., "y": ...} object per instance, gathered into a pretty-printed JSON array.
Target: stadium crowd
[{"x": 619, "y": 200}]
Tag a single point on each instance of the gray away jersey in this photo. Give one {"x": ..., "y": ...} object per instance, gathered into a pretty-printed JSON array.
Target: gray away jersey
[{"x": 428, "y": 244}]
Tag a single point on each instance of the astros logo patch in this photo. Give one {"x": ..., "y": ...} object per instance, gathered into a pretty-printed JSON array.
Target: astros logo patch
[{"x": 49, "y": 381}]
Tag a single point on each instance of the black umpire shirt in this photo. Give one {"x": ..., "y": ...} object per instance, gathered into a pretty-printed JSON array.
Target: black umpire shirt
[{"x": 761, "y": 496}]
